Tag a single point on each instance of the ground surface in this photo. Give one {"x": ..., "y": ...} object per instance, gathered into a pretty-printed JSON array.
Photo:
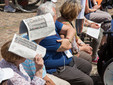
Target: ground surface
[{"x": 9, "y": 25}]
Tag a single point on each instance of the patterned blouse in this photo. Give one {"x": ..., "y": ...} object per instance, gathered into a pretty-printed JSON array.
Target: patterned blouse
[{"x": 20, "y": 76}]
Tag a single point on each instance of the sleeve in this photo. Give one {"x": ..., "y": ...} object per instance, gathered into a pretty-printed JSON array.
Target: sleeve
[
  {"x": 38, "y": 81},
  {"x": 50, "y": 43},
  {"x": 22, "y": 78},
  {"x": 29, "y": 67},
  {"x": 20, "y": 81},
  {"x": 58, "y": 26},
  {"x": 44, "y": 72}
]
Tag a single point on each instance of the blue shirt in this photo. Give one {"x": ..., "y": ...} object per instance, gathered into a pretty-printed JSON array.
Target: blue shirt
[
  {"x": 29, "y": 65},
  {"x": 54, "y": 59}
]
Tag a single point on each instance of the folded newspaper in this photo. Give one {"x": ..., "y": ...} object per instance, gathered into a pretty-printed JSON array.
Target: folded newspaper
[
  {"x": 26, "y": 48},
  {"x": 38, "y": 26},
  {"x": 93, "y": 32}
]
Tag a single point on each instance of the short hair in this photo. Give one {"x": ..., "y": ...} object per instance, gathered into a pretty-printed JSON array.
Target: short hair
[
  {"x": 70, "y": 9},
  {"x": 9, "y": 56},
  {"x": 46, "y": 8}
]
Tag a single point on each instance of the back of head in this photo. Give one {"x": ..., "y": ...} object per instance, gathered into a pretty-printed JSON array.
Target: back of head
[
  {"x": 9, "y": 56},
  {"x": 46, "y": 8},
  {"x": 70, "y": 9}
]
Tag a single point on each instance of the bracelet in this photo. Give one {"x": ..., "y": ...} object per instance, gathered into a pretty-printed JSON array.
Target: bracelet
[{"x": 81, "y": 43}]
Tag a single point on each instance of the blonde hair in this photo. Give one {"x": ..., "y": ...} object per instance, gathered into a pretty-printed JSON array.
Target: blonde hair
[
  {"x": 9, "y": 56},
  {"x": 70, "y": 9}
]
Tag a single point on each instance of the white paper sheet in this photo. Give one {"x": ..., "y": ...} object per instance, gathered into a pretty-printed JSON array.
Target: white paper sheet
[
  {"x": 26, "y": 48},
  {"x": 93, "y": 32},
  {"x": 38, "y": 26}
]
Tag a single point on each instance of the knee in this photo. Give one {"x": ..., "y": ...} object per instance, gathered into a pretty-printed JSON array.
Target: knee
[
  {"x": 85, "y": 56},
  {"x": 89, "y": 67},
  {"x": 108, "y": 17},
  {"x": 87, "y": 81}
]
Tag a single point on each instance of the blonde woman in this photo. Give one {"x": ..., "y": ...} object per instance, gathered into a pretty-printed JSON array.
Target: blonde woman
[{"x": 69, "y": 11}]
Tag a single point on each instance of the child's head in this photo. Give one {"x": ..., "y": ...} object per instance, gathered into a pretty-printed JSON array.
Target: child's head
[{"x": 9, "y": 56}]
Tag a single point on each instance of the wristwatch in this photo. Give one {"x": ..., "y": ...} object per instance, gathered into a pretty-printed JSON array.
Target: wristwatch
[{"x": 95, "y": 3}]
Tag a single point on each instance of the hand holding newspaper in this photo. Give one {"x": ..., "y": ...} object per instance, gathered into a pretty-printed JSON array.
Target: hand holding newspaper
[
  {"x": 26, "y": 48},
  {"x": 93, "y": 32},
  {"x": 38, "y": 26}
]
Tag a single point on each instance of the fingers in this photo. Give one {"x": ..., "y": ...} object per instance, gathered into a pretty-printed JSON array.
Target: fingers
[
  {"x": 59, "y": 40},
  {"x": 38, "y": 59}
]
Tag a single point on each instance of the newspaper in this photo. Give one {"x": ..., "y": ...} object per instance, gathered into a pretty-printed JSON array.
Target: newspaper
[
  {"x": 38, "y": 26},
  {"x": 93, "y": 32},
  {"x": 26, "y": 48}
]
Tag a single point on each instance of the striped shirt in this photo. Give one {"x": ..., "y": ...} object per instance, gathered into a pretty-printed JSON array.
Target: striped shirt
[
  {"x": 30, "y": 68},
  {"x": 20, "y": 76}
]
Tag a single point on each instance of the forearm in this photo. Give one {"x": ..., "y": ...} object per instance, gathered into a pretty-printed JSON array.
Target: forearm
[
  {"x": 70, "y": 34},
  {"x": 94, "y": 2},
  {"x": 48, "y": 81},
  {"x": 80, "y": 42},
  {"x": 87, "y": 9},
  {"x": 39, "y": 73}
]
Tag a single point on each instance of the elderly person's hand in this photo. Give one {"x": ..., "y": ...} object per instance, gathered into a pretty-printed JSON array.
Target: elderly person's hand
[
  {"x": 86, "y": 48},
  {"x": 65, "y": 45},
  {"x": 39, "y": 65},
  {"x": 94, "y": 25}
]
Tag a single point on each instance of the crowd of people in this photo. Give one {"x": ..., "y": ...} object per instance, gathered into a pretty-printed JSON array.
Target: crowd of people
[{"x": 68, "y": 59}]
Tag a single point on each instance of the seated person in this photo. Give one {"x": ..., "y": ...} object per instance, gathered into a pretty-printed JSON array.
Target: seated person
[
  {"x": 69, "y": 14},
  {"x": 95, "y": 42},
  {"x": 57, "y": 60},
  {"x": 13, "y": 61},
  {"x": 5, "y": 75},
  {"x": 94, "y": 14},
  {"x": 29, "y": 66}
]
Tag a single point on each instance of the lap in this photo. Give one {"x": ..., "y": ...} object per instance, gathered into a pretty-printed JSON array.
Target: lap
[
  {"x": 57, "y": 81},
  {"x": 76, "y": 73}
]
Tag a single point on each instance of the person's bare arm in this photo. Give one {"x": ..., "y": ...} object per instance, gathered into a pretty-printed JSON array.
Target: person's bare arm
[
  {"x": 87, "y": 23},
  {"x": 65, "y": 45},
  {"x": 69, "y": 34},
  {"x": 68, "y": 31},
  {"x": 87, "y": 9},
  {"x": 48, "y": 81},
  {"x": 39, "y": 65}
]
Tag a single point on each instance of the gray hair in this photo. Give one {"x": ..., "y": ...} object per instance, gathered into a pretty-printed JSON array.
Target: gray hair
[{"x": 46, "y": 8}]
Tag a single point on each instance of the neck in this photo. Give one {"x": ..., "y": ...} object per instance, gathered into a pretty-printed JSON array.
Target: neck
[
  {"x": 17, "y": 64},
  {"x": 38, "y": 41}
]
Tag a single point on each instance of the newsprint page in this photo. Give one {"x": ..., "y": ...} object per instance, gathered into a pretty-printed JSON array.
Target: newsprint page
[
  {"x": 39, "y": 26},
  {"x": 26, "y": 48}
]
